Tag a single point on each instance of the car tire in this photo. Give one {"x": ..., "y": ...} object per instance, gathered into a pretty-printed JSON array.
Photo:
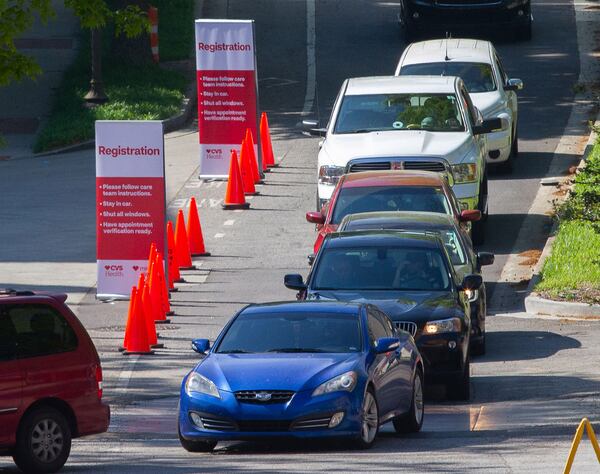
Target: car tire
[
  {"x": 412, "y": 421},
  {"x": 43, "y": 441},
  {"x": 196, "y": 446},
  {"x": 460, "y": 389},
  {"x": 369, "y": 422},
  {"x": 478, "y": 227},
  {"x": 478, "y": 348}
]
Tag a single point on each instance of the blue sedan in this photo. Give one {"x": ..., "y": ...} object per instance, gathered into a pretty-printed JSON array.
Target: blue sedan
[{"x": 304, "y": 370}]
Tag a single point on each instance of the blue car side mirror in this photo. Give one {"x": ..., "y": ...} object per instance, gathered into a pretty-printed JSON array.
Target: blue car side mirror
[
  {"x": 387, "y": 344},
  {"x": 201, "y": 345}
]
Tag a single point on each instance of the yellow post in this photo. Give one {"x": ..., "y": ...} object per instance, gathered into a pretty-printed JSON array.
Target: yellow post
[{"x": 587, "y": 426}]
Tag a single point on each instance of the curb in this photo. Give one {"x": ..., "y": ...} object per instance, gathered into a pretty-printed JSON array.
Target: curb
[
  {"x": 169, "y": 125},
  {"x": 535, "y": 304}
]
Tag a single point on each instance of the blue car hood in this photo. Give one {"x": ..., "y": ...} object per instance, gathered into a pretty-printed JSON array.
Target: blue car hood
[
  {"x": 276, "y": 371},
  {"x": 415, "y": 306}
]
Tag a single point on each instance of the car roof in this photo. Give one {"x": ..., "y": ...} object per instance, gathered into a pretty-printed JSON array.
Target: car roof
[
  {"x": 412, "y": 220},
  {"x": 303, "y": 307},
  {"x": 393, "y": 178},
  {"x": 379, "y": 237},
  {"x": 456, "y": 49},
  {"x": 401, "y": 85},
  {"x": 11, "y": 295}
]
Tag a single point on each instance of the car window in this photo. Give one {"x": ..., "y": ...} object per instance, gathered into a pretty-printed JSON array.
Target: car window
[
  {"x": 387, "y": 323},
  {"x": 352, "y": 200},
  {"x": 379, "y": 112},
  {"x": 40, "y": 330},
  {"x": 377, "y": 328},
  {"x": 478, "y": 77},
  {"x": 503, "y": 74},
  {"x": 468, "y": 104},
  {"x": 380, "y": 268},
  {"x": 292, "y": 332},
  {"x": 453, "y": 246},
  {"x": 7, "y": 336}
]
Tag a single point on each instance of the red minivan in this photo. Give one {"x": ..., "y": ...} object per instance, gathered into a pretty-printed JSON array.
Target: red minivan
[{"x": 50, "y": 380}]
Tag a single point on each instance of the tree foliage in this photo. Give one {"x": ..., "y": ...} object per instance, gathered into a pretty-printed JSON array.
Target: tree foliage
[{"x": 16, "y": 16}]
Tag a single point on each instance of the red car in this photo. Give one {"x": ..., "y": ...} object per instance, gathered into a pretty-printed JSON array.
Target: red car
[
  {"x": 373, "y": 191},
  {"x": 50, "y": 380}
]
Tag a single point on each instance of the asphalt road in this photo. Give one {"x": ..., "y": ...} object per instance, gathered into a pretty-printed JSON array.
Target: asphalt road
[{"x": 529, "y": 391}]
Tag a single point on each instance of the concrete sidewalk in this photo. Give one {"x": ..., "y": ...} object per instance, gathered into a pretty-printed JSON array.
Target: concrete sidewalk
[{"x": 27, "y": 104}]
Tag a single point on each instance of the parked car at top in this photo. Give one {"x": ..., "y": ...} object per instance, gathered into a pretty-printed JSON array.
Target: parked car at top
[
  {"x": 303, "y": 370},
  {"x": 410, "y": 277},
  {"x": 426, "y": 122},
  {"x": 458, "y": 245},
  {"x": 478, "y": 64},
  {"x": 419, "y": 17},
  {"x": 370, "y": 191},
  {"x": 50, "y": 380}
]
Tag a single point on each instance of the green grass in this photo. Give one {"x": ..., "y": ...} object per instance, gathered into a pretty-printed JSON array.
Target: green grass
[
  {"x": 136, "y": 92},
  {"x": 572, "y": 271}
]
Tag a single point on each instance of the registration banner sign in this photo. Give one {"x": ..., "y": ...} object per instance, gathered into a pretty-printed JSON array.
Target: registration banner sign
[
  {"x": 227, "y": 91},
  {"x": 130, "y": 202}
]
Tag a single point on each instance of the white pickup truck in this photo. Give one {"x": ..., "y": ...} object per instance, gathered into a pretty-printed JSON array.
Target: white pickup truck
[{"x": 408, "y": 122}]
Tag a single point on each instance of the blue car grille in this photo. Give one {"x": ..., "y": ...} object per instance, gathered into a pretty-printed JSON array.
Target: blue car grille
[
  {"x": 263, "y": 425},
  {"x": 264, "y": 396}
]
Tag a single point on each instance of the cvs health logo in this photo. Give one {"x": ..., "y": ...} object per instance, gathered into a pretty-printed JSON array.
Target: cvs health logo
[
  {"x": 214, "y": 153},
  {"x": 113, "y": 270}
]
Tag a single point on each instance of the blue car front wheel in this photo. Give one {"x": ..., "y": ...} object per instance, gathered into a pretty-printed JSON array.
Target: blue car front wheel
[
  {"x": 369, "y": 421},
  {"x": 196, "y": 446}
]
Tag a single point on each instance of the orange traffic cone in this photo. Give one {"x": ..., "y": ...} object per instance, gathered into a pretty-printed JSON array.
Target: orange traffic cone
[
  {"x": 129, "y": 318},
  {"x": 194, "y": 231},
  {"x": 253, "y": 161},
  {"x": 147, "y": 310},
  {"x": 246, "y": 170},
  {"x": 265, "y": 142},
  {"x": 174, "y": 275},
  {"x": 155, "y": 290},
  {"x": 160, "y": 268},
  {"x": 234, "y": 196},
  {"x": 151, "y": 256},
  {"x": 136, "y": 335},
  {"x": 182, "y": 246}
]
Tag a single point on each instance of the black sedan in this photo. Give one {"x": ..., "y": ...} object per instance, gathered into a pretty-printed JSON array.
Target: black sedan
[
  {"x": 457, "y": 243},
  {"x": 410, "y": 277}
]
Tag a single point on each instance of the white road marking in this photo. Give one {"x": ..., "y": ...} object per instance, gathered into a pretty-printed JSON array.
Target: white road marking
[
  {"x": 125, "y": 375},
  {"x": 229, "y": 222},
  {"x": 219, "y": 235},
  {"x": 311, "y": 66}
]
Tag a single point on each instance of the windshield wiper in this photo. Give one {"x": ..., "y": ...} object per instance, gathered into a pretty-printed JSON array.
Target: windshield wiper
[
  {"x": 295, "y": 349},
  {"x": 234, "y": 351}
]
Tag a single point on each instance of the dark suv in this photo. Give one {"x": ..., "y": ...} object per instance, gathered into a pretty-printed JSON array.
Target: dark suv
[
  {"x": 50, "y": 380},
  {"x": 442, "y": 16},
  {"x": 410, "y": 277}
]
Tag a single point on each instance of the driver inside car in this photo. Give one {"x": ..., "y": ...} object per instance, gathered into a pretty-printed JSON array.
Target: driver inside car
[{"x": 416, "y": 273}]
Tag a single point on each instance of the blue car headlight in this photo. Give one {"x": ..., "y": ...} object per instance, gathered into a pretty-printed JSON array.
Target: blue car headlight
[
  {"x": 345, "y": 382},
  {"x": 197, "y": 383}
]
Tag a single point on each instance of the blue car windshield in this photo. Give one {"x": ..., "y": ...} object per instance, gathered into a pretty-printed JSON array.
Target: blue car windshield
[
  {"x": 381, "y": 268},
  {"x": 354, "y": 200},
  {"x": 292, "y": 333}
]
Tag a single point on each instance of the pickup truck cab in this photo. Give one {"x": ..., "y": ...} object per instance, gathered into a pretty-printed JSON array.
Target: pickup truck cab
[{"x": 408, "y": 122}]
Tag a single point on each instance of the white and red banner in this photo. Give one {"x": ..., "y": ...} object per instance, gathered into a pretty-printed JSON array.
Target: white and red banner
[
  {"x": 130, "y": 202},
  {"x": 227, "y": 91}
]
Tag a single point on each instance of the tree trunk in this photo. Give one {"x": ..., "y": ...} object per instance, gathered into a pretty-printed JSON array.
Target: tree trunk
[{"x": 132, "y": 50}]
